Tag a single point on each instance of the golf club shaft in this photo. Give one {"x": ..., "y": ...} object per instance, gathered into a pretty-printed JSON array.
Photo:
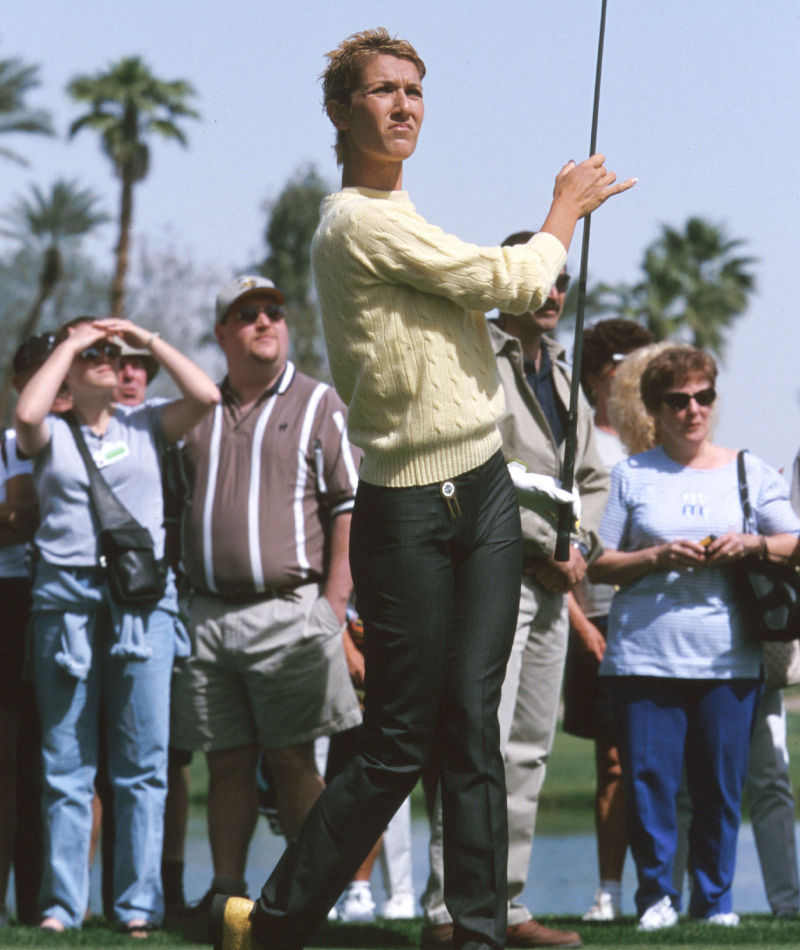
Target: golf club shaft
[{"x": 570, "y": 446}]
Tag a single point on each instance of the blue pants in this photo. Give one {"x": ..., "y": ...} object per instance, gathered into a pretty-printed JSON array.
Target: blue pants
[
  {"x": 708, "y": 723},
  {"x": 438, "y": 591},
  {"x": 136, "y": 697}
]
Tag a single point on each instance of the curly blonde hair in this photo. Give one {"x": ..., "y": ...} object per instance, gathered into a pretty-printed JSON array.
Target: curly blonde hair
[
  {"x": 343, "y": 72},
  {"x": 626, "y": 411}
]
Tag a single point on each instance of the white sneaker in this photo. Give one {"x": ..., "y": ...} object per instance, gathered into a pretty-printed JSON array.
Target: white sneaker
[
  {"x": 660, "y": 915},
  {"x": 356, "y": 905},
  {"x": 603, "y": 907},
  {"x": 333, "y": 913},
  {"x": 723, "y": 920},
  {"x": 401, "y": 906}
]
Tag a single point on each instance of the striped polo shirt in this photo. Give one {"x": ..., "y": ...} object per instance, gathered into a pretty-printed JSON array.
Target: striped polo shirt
[{"x": 265, "y": 486}]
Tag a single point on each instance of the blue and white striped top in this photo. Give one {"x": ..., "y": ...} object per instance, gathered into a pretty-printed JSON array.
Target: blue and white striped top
[{"x": 684, "y": 623}]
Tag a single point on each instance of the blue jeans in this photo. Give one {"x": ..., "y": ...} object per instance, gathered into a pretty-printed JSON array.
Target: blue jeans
[
  {"x": 661, "y": 723},
  {"x": 136, "y": 697}
]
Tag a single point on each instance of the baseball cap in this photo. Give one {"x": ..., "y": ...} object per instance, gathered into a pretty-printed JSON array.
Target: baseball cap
[
  {"x": 240, "y": 287},
  {"x": 33, "y": 352}
]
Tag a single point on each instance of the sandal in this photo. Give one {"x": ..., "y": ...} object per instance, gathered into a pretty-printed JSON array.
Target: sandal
[{"x": 139, "y": 929}]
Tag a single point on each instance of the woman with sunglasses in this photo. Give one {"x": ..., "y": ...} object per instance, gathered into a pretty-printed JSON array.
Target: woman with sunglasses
[
  {"x": 87, "y": 648},
  {"x": 686, "y": 678}
]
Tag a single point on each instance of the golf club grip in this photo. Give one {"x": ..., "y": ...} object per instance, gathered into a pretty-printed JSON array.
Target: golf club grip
[{"x": 563, "y": 533}]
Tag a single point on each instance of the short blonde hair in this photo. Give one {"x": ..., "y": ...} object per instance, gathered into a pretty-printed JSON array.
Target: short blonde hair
[
  {"x": 343, "y": 72},
  {"x": 626, "y": 411}
]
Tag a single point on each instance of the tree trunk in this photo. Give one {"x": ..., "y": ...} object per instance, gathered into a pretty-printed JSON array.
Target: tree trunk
[{"x": 123, "y": 246}]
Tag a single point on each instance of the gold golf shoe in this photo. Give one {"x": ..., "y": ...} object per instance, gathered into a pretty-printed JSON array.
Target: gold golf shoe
[{"x": 230, "y": 923}]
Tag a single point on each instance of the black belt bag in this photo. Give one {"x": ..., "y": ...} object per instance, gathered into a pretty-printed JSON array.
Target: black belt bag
[{"x": 135, "y": 576}]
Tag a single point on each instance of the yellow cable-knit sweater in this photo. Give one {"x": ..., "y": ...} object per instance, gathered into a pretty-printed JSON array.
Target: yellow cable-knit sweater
[{"x": 403, "y": 310}]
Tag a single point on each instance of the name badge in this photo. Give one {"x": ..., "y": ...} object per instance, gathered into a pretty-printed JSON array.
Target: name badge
[{"x": 108, "y": 454}]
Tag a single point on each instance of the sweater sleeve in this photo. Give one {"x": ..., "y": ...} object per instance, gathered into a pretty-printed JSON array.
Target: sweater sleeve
[{"x": 399, "y": 246}]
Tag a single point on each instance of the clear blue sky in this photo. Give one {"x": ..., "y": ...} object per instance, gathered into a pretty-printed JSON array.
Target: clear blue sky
[{"x": 699, "y": 102}]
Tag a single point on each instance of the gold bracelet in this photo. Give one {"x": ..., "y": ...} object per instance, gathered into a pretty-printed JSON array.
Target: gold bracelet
[{"x": 155, "y": 335}]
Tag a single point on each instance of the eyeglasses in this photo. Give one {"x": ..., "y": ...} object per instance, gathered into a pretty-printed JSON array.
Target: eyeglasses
[
  {"x": 251, "y": 314},
  {"x": 678, "y": 401},
  {"x": 562, "y": 283},
  {"x": 93, "y": 353}
]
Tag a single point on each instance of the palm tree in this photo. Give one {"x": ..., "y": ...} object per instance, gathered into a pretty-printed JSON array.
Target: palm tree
[
  {"x": 15, "y": 81},
  {"x": 695, "y": 285},
  {"x": 48, "y": 223},
  {"x": 128, "y": 104}
]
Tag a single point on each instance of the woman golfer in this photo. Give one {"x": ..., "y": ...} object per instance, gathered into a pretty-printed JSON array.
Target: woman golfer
[{"x": 435, "y": 543}]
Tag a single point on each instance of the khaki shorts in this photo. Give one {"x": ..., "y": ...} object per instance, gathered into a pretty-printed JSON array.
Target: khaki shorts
[{"x": 271, "y": 672}]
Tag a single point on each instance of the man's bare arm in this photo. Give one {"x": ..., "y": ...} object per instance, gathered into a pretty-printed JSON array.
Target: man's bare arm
[{"x": 339, "y": 583}]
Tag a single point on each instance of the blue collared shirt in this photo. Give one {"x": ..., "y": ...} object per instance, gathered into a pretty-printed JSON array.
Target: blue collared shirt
[{"x": 541, "y": 383}]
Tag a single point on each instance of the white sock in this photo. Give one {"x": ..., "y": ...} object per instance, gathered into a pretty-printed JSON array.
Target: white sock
[{"x": 614, "y": 888}]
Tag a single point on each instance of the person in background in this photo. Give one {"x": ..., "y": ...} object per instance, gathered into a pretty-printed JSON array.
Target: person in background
[
  {"x": 137, "y": 369},
  {"x": 20, "y": 826},
  {"x": 681, "y": 664},
  {"x": 768, "y": 785},
  {"x": 588, "y": 707},
  {"x": 86, "y": 643},
  {"x": 266, "y": 529}
]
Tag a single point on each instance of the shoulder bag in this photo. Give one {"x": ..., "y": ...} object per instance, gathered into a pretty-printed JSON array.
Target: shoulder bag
[
  {"x": 768, "y": 594},
  {"x": 135, "y": 577}
]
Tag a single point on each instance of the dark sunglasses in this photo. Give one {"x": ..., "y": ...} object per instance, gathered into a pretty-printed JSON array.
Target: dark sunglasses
[
  {"x": 251, "y": 313},
  {"x": 562, "y": 283},
  {"x": 678, "y": 401},
  {"x": 93, "y": 353}
]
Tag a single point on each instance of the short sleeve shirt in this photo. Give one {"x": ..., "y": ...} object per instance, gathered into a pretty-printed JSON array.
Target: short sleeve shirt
[
  {"x": 684, "y": 623},
  {"x": 264, "y": 487},
  {"x": 129, "y": 456}
]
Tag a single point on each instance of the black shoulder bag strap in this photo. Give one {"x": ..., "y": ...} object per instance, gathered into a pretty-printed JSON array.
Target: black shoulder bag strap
[
  {"x": 744, "y": 496},
  {"x": 111, "y": 513}
]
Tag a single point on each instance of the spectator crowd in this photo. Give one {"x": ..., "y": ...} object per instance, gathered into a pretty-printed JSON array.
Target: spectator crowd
[{"x": 246, "y": 490}]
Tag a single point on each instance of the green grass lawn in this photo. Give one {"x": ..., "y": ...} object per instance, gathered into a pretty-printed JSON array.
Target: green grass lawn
[
  {"x": 756, "y": 931},
  {"x": 565, "y": 808}
]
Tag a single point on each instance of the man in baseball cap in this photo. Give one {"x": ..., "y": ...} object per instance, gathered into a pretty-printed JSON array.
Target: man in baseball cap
[
  {"x": 240, "y": 287},
  {"x": 265, "y": 539}
]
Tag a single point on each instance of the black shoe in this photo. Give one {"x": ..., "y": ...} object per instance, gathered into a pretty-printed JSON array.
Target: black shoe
[
  {"x": 436, "y": 937},
  {"x": 195, "y": 921}
]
